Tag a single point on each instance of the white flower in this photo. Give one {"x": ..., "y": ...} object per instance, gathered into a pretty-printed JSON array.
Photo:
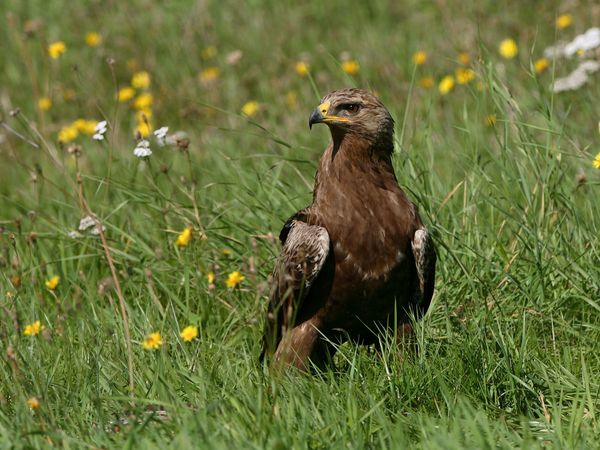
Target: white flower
[
  {"x": 161, "y": 134},
  {"x": 177, "y": 136},
  {"x": 100, "y": 130},
  {"x": 584, "y": 42},
  {"x": 96, "y": 230},
  {"x": 577, "y": 78},
  {"x": 86, "y": 222},
  {"x": 74, "y": 234},
  {"x": 142, "y": 149}
]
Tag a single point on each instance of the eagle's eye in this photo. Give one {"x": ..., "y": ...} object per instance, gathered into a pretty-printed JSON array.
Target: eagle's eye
[{"x": 350, "y": 107}]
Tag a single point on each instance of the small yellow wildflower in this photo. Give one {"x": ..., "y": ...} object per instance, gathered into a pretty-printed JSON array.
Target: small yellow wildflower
[
  {"x": 490, "y": 120},
  {"x": 33, "y": 403},
  {"x": 226, "y": 252},
  {"x": 564, "y": 21},
  {"x": 153, "y": 341},
  {"x": 508, "y": 48},
  {"x": 419, "y": 58},
  {"x": 141, "y": 80},
  {"x": 446, "y": 84},
  {"x": 184, "y": 237},
  {"x": 464, "y": 58},
  {"x": 302, "y": 68},
  {"x": 209, "y": 52},
  {"x": 44, "y": 103},
  {"x": 250, "y": 108},
  {"x": 351, "y": 67},
  {"x": 85, "y": 126},
  {"x": 52, "y": 282},
  {"x": 93, "y": 39},
  {"x": 189, "y": 333},
  {"x": 67, "y": 134},
  {"x": 33, "y": 329},
  {"x": 143, "y": 115},
  {"x": 144, "y": 129},
  {"x": 596, "y": 161},
  {"x": 56, "y": 48},
  {"x": 125, "y": 93},
  {"x": 541, "y": 65},
  {"x": 426, "y": 82},
  {"x": 210, "y": 277},
  {"x": 210, "y": 74},
  {"x": 143, "y": 101},
  {"x": 464, "y": 75},
  {"x": 234, "y": 279}
]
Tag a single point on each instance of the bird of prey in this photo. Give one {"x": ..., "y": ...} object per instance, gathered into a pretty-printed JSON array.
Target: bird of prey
[{"x": 358, "y": 261}]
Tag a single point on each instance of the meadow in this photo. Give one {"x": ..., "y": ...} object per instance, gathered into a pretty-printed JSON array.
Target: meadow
[{"x": 134, "y": 261}]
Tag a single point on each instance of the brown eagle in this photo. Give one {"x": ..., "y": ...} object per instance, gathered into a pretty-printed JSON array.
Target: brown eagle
[{"x": 358, "y": 261}]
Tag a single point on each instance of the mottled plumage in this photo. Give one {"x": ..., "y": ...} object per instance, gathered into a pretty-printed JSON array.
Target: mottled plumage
[{"x": 358, "y": 257}]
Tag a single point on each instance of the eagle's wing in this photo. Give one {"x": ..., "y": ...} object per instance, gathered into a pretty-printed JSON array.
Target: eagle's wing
[
  {"x": 305, "y": 249},
  {"x": 425, "y": 258}
]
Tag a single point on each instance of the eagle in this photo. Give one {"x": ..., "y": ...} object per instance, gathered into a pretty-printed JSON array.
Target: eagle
[{"x": 358, "y": 261}]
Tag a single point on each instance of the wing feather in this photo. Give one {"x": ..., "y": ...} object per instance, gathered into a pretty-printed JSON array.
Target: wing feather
[{"x": 425, "y": 259}]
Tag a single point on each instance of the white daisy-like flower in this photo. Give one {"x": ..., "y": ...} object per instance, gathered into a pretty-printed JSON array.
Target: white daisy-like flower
[
  {"x": 142, "y": 149},
  {"x": 161, "y": 135},
  {"x": 577, "y": 78},
  {"x": 100, "y": 130},
  {"x": 86, "y": 222}
]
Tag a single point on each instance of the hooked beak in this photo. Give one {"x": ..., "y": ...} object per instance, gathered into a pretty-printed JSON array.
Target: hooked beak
[{"x": 321, "y": 115}]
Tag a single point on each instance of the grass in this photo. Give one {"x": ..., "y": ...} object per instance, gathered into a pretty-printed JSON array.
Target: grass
[{"x": 508, "y": 353}]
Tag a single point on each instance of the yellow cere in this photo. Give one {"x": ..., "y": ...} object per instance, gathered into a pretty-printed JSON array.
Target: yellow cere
[
  {"x": 508, "y": 48},
  {"x": 446, "y": 84},
  {"x": 302, "y": 68},
  {"x": 541, "y": 65},
  {"x": 184, "y": 237},
  {"x": 33, "y": 329},
  {"x": 234, "y": 279},
  {"x": 250, "y": 108},
  {"x": 141, "y": 80},
  {"x": 125, "y": 93},
  {"x": 93, "y": 39},
  {"x": 56, "y": 48},
  {"x": 351, "y": 67},
  {"x": 52, "y": 282},
  {"x": 153, "y": 341},
  {"x": 419, "y": 58},
  {"x": 189, "y": 333},
  {"x": 564, "y": 21},
  {"x": 44, "y": 103}
]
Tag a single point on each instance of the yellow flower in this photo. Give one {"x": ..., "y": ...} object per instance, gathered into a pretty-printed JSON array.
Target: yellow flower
[
  {"x": 426, "y": 82},
  {"x": 44, "y": 104},
  {"x": 184, "y": 237},
  {"x": 210, "y": 277},
  {"x": 302, "y": 68},
  {"x": 143, "y": 101},
  {"x": 464, "y": 58},
  {"x": 564, "y": 21},
  {"x": 464, "y": 75},
  {"x": 93, "y": 39},
  {"x": 56, "y": 48},
  {"x": 33, "y": 403},
  {"x": 141, "y": 80},
  {"x": 446, "y": 84},
  {"x": 144, "y": 129},
  {"x": 33, "y": 329},
  {"x": 596, "y": 161},
  {"x": 351, "y": 67},
  {"x": 490, "y": 120},
  {"x": 52, "y": 282},
  {"x": 189, "y": 333},
  {"x": 250, "y": 108},
  {"x": 226, "y": 252},
  {"x": 125, "y": 93},
  {"x": 419, "y": 58},
  {"x": 85, "y": 126},
  {"x": 234, "y": 279},
  {"x": 541, "y": 65},
  {"x": 209, "y": 52},
  {"x": 67, "y": 134},
  {"x": 153, "y": 341},
  {"x": 508, "y": 48},
  {"x": 210, "y": 74}
]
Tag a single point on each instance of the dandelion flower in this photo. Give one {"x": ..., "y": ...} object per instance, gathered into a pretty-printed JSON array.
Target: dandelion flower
[
  {"x": 541, "y": 65},
  {"x": 52, "y": 282},
  {"x": 209, "y": 74},
  {"x": 209, "y": 52},
  {"x": 125, "y": 93},
  {"x": 302, "y": 68},
  {"x": 596, "y": 161},
  {"x": 67, "y": 134},
  {"x": 100, "y": 131},
  {"x": 250, "y": 108},
  {"x": 490, "y": 120},
  {"x": 142, "y": 149},
  {"x": 184, "y": 237},
  {"x": 233, "y": 279},
  {"x": 153, "y": 341},
  {"x": 508, "y": 48},
  {"x": 93, "y": 39},
  {"x": 210, "y": 277},
  {"x": 141, "y": 80},
  {"x": 33, "y": 329},
  {"x": 564, "y": 21},
  {"x": 351, "y": 67},
  {"x": 464, "y": 75},
  {"x": 44, "y": 103},
  {"x": 464, "y": 58},
  {"x": 189, "y": 333},
  {"x": 446, "y": 84},
  {"x": 143, "y": 101},
  {"x": 85, "y": 126},
  {"x": 419, "y": 58},
  {"x": 56, "y": 48},
  {"x": 33, "y": 403},
  {"x": 143, "y": 129},
  {"x": 426, "y": 82}
]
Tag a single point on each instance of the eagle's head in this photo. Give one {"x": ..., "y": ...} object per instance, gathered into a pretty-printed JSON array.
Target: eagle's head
[{"x": 356, "y": 112}]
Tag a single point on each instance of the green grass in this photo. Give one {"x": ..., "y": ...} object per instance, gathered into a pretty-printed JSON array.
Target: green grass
[{"x": 508, "y": 353}]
